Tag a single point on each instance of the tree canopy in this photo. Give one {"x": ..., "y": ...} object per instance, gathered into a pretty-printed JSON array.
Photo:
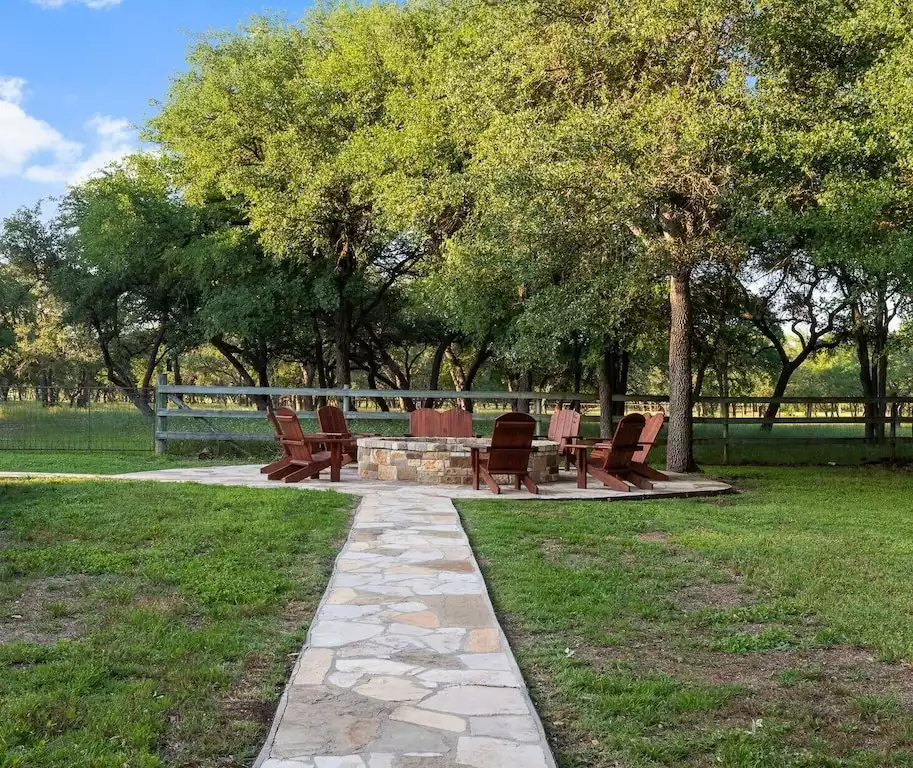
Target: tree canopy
[{"x": 699, "y": 195}]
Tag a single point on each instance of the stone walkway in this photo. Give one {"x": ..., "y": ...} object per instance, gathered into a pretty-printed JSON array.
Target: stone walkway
[{"x": 405, "y": 665}]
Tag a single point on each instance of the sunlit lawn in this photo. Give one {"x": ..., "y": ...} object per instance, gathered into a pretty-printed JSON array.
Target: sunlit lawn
[
  {"x": 772, "y": 628},
  {"x": 149, "y": 625}
]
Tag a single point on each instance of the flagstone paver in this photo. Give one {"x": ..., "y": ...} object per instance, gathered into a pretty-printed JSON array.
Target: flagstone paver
[{"x": 405, "y": 665}]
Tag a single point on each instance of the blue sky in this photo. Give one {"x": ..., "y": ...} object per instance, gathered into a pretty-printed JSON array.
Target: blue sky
[{"x": 77, "y": 77}]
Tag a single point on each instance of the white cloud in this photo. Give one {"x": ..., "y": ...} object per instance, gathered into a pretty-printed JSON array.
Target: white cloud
[
  {"x": 96, "y": 4},
  {"x": 11, "y": 89},
  {"x": 112, "y": 139},
  {"x": 33, "y": 149},
  {"x": 22, "y": 136}
]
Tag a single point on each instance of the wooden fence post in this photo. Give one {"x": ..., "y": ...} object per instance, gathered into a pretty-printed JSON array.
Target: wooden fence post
[
  {"x": 726, "y": 432},
  {"x": 895, "y": 423},
  {"x": 161, "y": 421},
  {"x": 346, "y": 402},
  {"x": 537, "y": 410}
]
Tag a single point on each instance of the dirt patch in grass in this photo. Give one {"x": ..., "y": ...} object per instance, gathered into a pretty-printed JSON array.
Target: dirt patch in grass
[
  {"x": 295, "y": 615},
  {"x": 45, "y": 611},
  {"x": 558, "y": 553},
  {"x": 246, "y": 701},
  {"x": 719, "y": 595},
  {"x": 653, "y": 537}
]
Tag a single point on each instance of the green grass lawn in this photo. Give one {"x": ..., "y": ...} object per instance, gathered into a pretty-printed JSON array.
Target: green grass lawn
[
  {"x": 100, "y": 463},
  {"x": 147, "y": 625},
  {"x": 769, "y": 629}
]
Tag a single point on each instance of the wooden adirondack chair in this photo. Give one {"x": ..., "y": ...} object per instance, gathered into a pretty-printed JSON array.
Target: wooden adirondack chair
[
  {"x": 425, "y": 422},
  {"x": 332, "y": 421},
  {"x": 564, "y": 429},
  {"x": 613, "y": 465},
  {"x": 308, "y": 456},
  {"x": 511, "y": 447},
  {"x": 284, "y": 462},
  {"x": 647, "y": 440}
]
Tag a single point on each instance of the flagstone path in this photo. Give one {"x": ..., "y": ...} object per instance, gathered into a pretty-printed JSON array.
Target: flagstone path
[{"x": 405, "y": 665}]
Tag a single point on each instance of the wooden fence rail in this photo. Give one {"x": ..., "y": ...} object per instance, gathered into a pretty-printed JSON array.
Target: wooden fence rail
[{"x": 172, "y": 404}]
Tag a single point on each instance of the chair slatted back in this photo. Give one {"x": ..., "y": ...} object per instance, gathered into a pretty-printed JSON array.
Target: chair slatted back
[
  {"x": 511, "y": 443},
  {"x": 625, "y": 443},
  {"x": 564, "y": 427},
  {"x": 293, "y": 435},
  {"x": 648, "y": 437},
  {"x": 333, "y": 421},
  {"x": 271, "y": 417},
  {"x": 425, "y": 422},
  {"x": 457, "y": 422}
]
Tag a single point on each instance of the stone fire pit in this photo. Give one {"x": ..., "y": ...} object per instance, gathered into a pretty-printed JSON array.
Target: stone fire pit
[{"x": 441, "y": 460}]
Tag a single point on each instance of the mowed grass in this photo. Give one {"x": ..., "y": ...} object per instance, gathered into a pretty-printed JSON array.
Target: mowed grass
[
  {"x": 148, "y": 625},
  {"x": 768, "y": 629},
  {"x": 102, "y": 462}
]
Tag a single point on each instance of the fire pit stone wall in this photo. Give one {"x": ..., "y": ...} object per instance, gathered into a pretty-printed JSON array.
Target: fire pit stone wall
[{"x": 440, "y": 460}]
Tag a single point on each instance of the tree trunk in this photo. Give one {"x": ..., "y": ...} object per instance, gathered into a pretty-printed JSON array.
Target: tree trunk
[
  {"x": 122, "y": 379},
  {"x": 881, "y": 427},
  {"x": 320, "y": 362},
  {"x": 307, "y": 379},
  {"x": 606, "y": 391},
  {"x": 622, "y": 370},
  {"x": 577, "y": 367},
  {"x": 699, "y": 377},
  {"x": 176, "y": 370},
  {"x": 342, "y": 346},
  {"x": 613, "y": 380},
  {"x": 437, "y": 362},
  {"x": 464, "y": 380},
  {"x": 680, "y": 448},
  {"x": 524, "y": 384},
  {"x": 264, "y": 402},
  {"x": 380, "y": 402},
  {"x": 773, "y": 408}
]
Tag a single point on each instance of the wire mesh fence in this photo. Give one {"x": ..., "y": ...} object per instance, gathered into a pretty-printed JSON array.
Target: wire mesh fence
[
  {"x": 73, "y": 419},
  {"x": 222, "y": 421},
  {"x": 726, "y": 430}
]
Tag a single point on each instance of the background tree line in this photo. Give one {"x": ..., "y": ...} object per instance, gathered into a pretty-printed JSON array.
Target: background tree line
[{"x": 702, "y": 196}]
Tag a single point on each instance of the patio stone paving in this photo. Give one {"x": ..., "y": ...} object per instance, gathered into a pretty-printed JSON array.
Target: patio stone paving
[{"x": 405, "y": 665}]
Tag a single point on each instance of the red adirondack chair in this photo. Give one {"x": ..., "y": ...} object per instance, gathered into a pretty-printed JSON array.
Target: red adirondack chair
[
  {"x": 426, "y": 422},
  {"x": 511, "y": 447},
  {"x": 286, "y": 457},
  {"x": 564, "y": 429},
  {"x": 332, "y": 421},
  {"x": 647, "y": 441},
  {"x": 308, "y": 454},
  {"x": 613, "y": 465}
]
